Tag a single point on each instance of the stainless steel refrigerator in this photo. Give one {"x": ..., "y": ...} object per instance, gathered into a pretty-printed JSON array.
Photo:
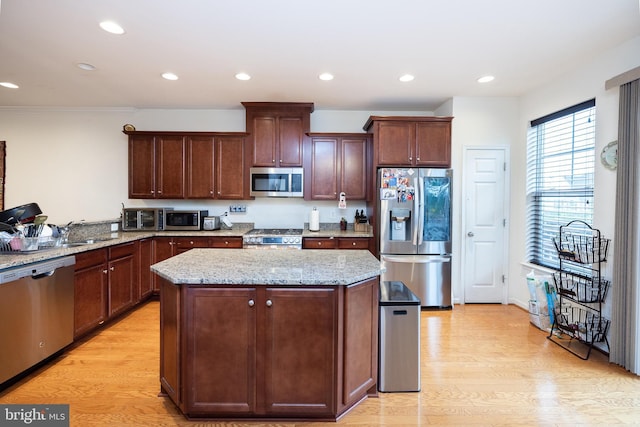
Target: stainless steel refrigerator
[{"x": 415, "y": 231}]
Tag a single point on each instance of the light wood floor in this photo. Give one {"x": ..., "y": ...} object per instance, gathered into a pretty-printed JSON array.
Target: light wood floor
[{"x": 481, "y": 365}]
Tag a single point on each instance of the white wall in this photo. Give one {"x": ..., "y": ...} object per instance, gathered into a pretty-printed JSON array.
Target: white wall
[
  {"x": 584, "y": 83},
  {"x": 488, "y": 122},
  {"x": 73, "y": 162}
]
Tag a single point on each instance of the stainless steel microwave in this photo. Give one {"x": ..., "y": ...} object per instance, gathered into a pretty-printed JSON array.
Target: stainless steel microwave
[
  {"x": 184, "y": 220},
  {"x": 137, "y": 219},
  {"x": 277, "y": 182}
]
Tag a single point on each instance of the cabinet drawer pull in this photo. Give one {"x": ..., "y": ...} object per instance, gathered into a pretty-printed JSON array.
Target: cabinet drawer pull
[
  {"x": 251, "y": 303},
  {"x": 353, "y": 243},
  {"x": 269, "y": 303}
]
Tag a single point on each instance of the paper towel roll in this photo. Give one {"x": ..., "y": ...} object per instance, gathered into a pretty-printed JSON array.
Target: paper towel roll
[{"x": 314, "y": 220}]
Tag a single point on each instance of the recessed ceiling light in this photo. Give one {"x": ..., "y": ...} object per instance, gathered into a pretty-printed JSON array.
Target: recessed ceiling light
[
  {"x": 406, "y": 78},
  {"x": 485, "y": 79},
  {"x": 111, "y": 27},
  {"x": 326, "y": 76},
  {"x": 85, "y": 66},
  {"x": 169, "y": 76},
  {"x": 9, "y": 85},
  {"x": 243, "y": 76}
]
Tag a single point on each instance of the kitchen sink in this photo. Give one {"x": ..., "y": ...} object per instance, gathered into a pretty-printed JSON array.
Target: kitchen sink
[
  {"x": 73, "y": 245},
  {"x": 87, "y": 242}
]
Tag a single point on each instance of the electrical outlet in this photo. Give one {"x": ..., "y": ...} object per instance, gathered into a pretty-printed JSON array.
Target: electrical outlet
[
  {"x": 238, "y": 208},
  {"x": 114, "y": 226}
]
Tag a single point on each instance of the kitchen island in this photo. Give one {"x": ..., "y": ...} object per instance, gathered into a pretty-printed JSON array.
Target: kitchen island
[{"x": 268, "y": 334}]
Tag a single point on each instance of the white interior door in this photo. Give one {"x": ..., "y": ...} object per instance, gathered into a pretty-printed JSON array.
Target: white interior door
[{"x": 484, "y": 218}]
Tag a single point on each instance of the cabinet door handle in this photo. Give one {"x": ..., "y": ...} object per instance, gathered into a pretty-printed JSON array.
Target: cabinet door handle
[
  {"x": 251, "y": 303},
  {"x": 410, "y": 158},
  {"x": 105, "y": 271},
  {"x": 417, "y": 159},
  {"x": 112, "y": 268},
  {"x": 269, "y": 303}
]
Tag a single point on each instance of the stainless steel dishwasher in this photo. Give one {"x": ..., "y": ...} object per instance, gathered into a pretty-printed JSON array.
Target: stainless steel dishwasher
[{"x": 36, "y": 313}]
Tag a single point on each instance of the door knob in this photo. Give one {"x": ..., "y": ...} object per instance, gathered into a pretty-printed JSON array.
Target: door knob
[{"x": 470, "y": 234}]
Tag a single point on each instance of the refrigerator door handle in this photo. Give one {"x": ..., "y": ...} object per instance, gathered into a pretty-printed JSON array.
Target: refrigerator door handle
[
  {"x": 418, "y": 259},
  {"x": 416, "y": 207},
  {"x": 421, "y": 202}
]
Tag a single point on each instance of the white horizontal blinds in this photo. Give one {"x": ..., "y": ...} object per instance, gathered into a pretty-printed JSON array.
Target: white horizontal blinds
[{"x": 560, "y": 167}]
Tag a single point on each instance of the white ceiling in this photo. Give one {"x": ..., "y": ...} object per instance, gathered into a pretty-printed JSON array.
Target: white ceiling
[{"x": 285, "y": 44}]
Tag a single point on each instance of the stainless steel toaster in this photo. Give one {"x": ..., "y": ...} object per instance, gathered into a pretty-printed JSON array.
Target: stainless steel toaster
[{"x": 211, "y": 223}]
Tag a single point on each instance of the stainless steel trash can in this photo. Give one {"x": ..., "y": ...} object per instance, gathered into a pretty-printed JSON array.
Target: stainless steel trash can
[{"x": 399, "y": 357}]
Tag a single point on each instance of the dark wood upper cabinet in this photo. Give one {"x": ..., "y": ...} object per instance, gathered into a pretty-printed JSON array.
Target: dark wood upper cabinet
[
  {"x": 337, "y": 163},
  {"x": 201, "y": 161},
  {"x": 187, "y": 165},
  {"x": 230, "y": 165},
  {"x": 215, "y": 167},
  {"x": 156, "y": 166},
  {"x": 411, "y": 141},
  {"x": 277, "y": 132},
  {"x": 142, "y": 167}
]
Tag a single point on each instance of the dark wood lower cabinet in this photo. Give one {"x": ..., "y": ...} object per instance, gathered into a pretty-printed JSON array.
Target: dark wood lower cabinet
[
  {"x": 335, "y": 242},
  {"x": 145, "y": 277},
  {"x": 104, "y": 285},
  {"x": 90, "y": 291},
  {"x": 268, "y": 351},
  {"x": 123, "y": 277}
]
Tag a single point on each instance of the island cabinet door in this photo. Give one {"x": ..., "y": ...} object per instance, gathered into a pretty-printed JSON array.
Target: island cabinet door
[
  {"x": 220, "y": 328},
  {"x": 360, "y": 341},
  {"x": 299, "y": 336}
]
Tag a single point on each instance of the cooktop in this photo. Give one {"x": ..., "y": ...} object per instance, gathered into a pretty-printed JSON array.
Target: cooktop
[{"x": 275, "y": 232}]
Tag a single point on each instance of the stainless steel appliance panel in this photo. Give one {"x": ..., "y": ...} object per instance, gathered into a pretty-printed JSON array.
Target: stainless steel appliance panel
[
  {"x": 399, "y": 337},
  {"x": 137, "y": 219},
  {"x": 276, "y": 182},
  {"x": 434, "y": 211},
  {"x": 184, "y": 219},
  {"x": 36, "y": 313},
  {"x": 428, "y": 276}
]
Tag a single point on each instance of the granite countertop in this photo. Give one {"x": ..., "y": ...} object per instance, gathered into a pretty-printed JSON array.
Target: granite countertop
[
  {"x": 15, "y": 259},
  {"x": 336, "y": 232},
  {"x": 269, "y": 267}
]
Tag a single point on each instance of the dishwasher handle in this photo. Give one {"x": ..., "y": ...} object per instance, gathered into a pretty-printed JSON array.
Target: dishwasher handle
[
  {"x": 36, "y": 270},
  {"x": 44, "y": 275}
]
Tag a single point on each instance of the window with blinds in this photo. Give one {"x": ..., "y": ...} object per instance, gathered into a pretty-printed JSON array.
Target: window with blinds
[{"x": 560, "y": 166}]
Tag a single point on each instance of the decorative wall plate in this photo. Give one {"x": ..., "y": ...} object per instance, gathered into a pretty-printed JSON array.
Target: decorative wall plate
[{"x": 609, "y": 155}]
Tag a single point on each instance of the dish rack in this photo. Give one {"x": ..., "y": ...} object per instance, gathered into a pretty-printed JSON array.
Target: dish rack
[
  {"x": 19, "y": 244},
  {"x": 580, "y": 288}
]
